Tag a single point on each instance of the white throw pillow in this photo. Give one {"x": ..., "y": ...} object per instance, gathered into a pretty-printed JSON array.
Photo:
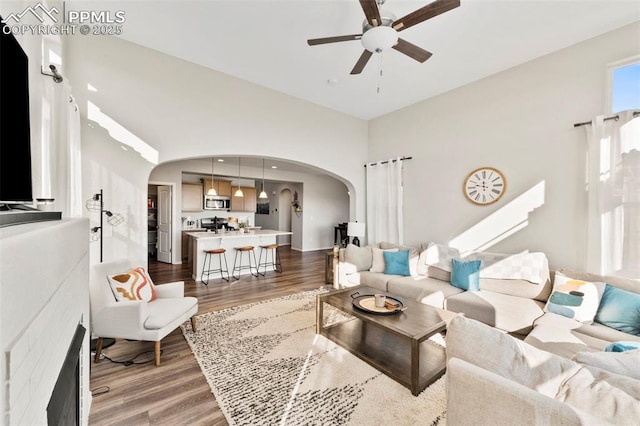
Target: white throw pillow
[
  {"x": 361, "y": 257},
  {"x": 435, "y": 261},
  {"x": 378, "y": 264},
  {"x": 624, "y": 363}
]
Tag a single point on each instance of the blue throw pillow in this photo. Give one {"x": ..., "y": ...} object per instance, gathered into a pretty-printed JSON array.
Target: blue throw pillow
[
  {"x": 465, "y": 275},
  {"x": 622, "y": 346},
  {"x": 620, "y": 310},
  {"x": 396, "y": 262}
]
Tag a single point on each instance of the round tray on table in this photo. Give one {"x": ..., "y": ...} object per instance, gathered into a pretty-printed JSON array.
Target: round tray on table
[{"x": 367, "y": 303}]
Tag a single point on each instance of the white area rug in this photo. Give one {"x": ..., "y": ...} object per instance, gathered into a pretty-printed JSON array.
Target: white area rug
[{"x": 266, "y": 366}]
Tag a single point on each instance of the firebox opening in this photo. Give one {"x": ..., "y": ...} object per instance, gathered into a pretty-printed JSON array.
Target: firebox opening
[{"x": 64, "y": 405}]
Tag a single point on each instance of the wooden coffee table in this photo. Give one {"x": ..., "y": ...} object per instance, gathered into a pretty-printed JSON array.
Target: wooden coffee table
[{"x": 397, "y": 344}]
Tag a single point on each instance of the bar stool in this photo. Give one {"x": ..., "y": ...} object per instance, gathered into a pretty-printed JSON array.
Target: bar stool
[
  {"x": 275, "y": 258},
  {"x": 208, "y": 271},
  {"x": 238, "y": 267}
]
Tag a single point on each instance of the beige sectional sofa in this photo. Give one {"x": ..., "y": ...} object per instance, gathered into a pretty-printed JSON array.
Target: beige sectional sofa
[
  {"x": 531, "y": 366},
  {"x": 493, "y": 378},
  {"x": 512, "y": 305}
]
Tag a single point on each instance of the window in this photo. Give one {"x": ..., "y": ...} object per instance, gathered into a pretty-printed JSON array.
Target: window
[{"x": 625, "y": 86}]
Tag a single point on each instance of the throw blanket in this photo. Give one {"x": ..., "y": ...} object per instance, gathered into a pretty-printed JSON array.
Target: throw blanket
[{"x": 532, "y": 267}]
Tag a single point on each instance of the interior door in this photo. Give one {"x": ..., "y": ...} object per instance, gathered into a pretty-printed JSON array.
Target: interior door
[{"x": 164, "y": 224}]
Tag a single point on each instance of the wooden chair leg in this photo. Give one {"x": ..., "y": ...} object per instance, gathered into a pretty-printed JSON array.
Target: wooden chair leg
[
  {"x": 99, "y": 344},
  {"x": 193, "y": 323},
  {"x": 157, "y": 351}
]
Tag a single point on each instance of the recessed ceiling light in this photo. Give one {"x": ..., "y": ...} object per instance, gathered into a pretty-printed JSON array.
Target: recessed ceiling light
[
  {"x": 220, "y": 160},
  {"x": 332, "y": 81},
  {"x": 274, "y": 167}
]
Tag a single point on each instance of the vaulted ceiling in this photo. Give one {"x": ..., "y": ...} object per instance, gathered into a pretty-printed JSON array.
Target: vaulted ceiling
[{"x": 265, "y": 42}]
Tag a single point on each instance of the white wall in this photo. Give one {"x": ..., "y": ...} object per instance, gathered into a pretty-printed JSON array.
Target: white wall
[
  {"x": 521, "y": 122},
  {"x": 142, "y": 108}
]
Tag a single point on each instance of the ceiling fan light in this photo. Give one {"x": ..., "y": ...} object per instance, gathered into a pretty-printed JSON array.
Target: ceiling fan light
[{"x": 378, "y": 39}]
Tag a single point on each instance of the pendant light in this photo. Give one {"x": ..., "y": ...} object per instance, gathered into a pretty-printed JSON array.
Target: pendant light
[
  {"x": 238, "y": 192},
  {"x": 212, "y": 190},
  {"x": 263, "y": 195}
]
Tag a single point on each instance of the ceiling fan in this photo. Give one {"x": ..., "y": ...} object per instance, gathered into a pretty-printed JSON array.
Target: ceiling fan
[{"x": 380, "y": 30}]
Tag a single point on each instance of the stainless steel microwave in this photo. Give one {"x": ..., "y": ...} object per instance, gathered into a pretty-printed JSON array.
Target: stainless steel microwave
[{"x": 217, "y": 202}]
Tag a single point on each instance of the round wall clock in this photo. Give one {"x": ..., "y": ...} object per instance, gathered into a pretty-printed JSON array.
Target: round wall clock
[{"x": 484, "y": 186}]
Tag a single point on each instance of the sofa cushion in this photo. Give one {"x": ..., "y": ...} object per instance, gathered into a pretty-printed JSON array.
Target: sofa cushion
[
  {"x": 414, "y": 253},
  {"x": 624, "y": 363},
  {"x": 532, "y": 267},
  {"x": 520, "y": 288},
  {"x": 377, "y": 264},
  {"x": 602, "y": 394},
  {"x": 509, "y": 313},
  {"x": 465, "y": 275},
  {"x": 396, "y": 263},
  {"x": 513, "y": 359},
  {"x": 426, "y": 290},
  {"x": 371, "y": 279},
  {"x": 572, "y": 298},
  {"x": 361, "y": 257},
  {"x": 620, "y": 310},
  {"x": 163, "y": 311}
]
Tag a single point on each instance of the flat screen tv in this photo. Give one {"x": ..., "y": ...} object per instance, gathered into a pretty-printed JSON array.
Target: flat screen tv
[{"x": 15, "y": 137}]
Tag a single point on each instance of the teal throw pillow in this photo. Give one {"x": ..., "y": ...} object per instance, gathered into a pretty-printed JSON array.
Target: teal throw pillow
[
  {"x": 622, "y": 346},
  {"x": 620, "y": 310},
  {"x": 465, "y": 275},
  {"x": 396, "y": 262}
]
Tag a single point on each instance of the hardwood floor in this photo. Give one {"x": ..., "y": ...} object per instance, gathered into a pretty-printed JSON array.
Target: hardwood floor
[{"x": 176, "y": 392}]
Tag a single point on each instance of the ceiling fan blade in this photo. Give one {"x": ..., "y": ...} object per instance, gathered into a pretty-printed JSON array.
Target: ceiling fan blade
[
  {"x": 424, "y": 13},
  {"x": 325, "y": 40},
  {"x": 364, "y": 58},
  {"x": 370, "y": 9},
  {"x": 411, "y": 50}
]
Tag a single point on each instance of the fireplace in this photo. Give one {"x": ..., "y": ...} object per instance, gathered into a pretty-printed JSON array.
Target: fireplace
[{"x": 64, "y": 405}]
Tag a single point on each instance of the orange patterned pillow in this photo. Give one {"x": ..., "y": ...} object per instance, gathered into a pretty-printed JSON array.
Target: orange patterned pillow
[{"x": 133, "y": 285}]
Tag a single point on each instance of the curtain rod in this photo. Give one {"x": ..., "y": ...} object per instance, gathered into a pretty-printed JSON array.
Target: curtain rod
[
  {"x": 386, "y": 161},
  {"x": 613, "y": 117}
]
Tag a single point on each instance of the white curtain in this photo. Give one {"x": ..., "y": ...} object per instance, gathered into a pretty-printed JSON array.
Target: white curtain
[
  {"x": 613, "y": 185},
  {"x": 385, "y": 202}
]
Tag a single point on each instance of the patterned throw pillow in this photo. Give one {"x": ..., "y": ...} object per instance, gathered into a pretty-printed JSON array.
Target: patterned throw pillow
[
  {"x": 575, "y": 299},
  {"x": 133, "y": 285}
]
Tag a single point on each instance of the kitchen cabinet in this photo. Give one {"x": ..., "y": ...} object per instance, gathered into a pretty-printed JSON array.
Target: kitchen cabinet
[
  {"x": 192, "y": 197},
  {"x": 222, "y": 187},
  {"x": 247, "y": 203}
]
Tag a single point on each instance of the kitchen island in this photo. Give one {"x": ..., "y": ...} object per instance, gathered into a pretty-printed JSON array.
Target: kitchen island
[{"x": 202, "y": 241}]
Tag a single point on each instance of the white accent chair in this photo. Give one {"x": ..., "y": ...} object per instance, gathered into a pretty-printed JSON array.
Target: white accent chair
[{"x": 136, "y": 320}]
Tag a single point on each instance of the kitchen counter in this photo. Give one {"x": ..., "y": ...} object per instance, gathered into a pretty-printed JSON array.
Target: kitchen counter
[{"x": 228, "y": 240}]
